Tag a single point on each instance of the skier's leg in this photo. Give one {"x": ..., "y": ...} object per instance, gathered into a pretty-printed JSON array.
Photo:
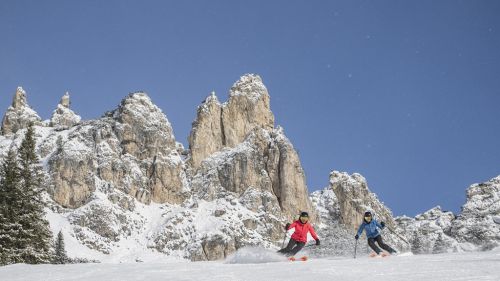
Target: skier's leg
[
  {"x": 288, "y": 247},
  {"x": 297, "y": 248},
  {"x": 383, "y": 245},
  {"x": 371, "y": 242}
]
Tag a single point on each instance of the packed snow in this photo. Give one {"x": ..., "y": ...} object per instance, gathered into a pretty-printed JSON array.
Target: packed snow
[
  {"x": 251, "y": 264},
  {"x": 249, "y": 255}
]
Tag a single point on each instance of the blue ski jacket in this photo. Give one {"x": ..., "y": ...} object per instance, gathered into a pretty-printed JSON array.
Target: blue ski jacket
[{"x": 371, "y": 228}]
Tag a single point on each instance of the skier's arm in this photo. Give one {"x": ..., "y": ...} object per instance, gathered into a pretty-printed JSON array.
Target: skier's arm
[
  {"x": 292, "y": 225},
  {"x": 313, "y": 233},
  {"x": 378, "y": 224},
  {"x": 360, "y": 229}
]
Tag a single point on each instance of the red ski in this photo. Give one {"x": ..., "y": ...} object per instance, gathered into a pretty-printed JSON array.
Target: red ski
[
  {"x": 382, "y": 255},
  {"x": 303, "y": 258}
]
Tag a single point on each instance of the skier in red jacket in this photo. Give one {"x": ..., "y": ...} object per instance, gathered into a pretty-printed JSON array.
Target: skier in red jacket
[{"x": 299, "y": 237}]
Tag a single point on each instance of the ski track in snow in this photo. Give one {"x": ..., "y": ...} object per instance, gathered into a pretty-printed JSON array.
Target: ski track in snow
[{"x": 443, "y": 267}]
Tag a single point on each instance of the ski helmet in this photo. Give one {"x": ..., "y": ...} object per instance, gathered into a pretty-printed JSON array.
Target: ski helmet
[
  {"x": 304, "y": 214},
  {"x": 368, "y": 215}
]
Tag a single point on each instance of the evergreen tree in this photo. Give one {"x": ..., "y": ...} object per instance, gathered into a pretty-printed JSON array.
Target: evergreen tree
[
  {"x": 9, "y": 210},
  {"x": 417, "y": 243},
  {"x": 440, "y": 246},
  {"x": 34, "y": 239},
  {"x": 60, "y": 256}
]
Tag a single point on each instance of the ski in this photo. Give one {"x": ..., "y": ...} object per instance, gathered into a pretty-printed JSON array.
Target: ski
[
  {"x": 303, "y": 258},
  {"x": 381, "y": 255}
]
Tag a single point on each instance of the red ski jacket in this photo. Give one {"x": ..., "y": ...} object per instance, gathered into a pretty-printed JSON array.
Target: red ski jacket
[{"x": 301, "y": 230}]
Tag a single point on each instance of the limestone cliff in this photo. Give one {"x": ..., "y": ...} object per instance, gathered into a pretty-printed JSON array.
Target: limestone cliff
[{"x": 246, "y": 122}]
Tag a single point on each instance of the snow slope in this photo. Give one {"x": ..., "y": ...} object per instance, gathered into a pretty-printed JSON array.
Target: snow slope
[{"x": 442, "y": 267}]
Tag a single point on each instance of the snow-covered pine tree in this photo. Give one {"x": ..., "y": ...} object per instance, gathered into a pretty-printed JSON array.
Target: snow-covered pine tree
[
  {"x": 417, "y": 243},
  {"x": 35, "y": 238},
  {"x": 60, "y": 256},
  {"x": 440, "y": 246},
  {"x": 9, "y": 210}
]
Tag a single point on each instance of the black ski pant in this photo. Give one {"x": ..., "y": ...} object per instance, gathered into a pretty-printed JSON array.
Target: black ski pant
[
  {"x": 292, "y": 248},
  {"x": 378, "y": 239}
]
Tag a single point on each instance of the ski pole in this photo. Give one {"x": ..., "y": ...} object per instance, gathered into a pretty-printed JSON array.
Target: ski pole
[
  {"x": 355, "y": 248},
  {"x": 310, "y": 245},
  {"x": 284, "y": 238},
  {"x": 399, "y": 236}
]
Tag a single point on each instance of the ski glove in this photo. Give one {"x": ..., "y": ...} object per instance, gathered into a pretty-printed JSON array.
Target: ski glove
[
  {"x": 382, "y": 224},
  {"x": 356, "y": 237},
  {"x": 287, "y": 226},
  {"x": 317, "y": 242}
]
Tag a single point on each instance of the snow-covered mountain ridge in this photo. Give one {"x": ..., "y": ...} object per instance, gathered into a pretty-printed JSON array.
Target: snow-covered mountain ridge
[{"x": 121, "y": 188}]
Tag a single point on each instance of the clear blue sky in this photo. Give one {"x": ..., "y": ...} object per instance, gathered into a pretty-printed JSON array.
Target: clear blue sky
[{"x": 405, "y": 93}]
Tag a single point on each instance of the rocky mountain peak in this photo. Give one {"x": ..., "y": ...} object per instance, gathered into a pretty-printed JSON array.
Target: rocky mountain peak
[
  {"x": 476, "y": 223},
  {"x": 19, "y": 114},
  {"x": 63, "y": 117},
  {"x": 249, "y": 85},
  {"x": 19, "y": 99},
  {"x": 355, "y": 198},
  {"x": 207, "y": 136},
  {"x": 248, "y": 107},
  {"x": 65, "y": 102},
  {"x": 481, "y": 196},
  {"x": 142, "y": 127},
  {"x": 226, "y": 125},
  {"x": 435, "y": 214},
  {"x": 138, "y": 103},
  {"x": 211, "y": 98}
]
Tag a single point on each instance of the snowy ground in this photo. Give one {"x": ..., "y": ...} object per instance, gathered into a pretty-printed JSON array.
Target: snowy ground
[{"x": 266, "y": 266}]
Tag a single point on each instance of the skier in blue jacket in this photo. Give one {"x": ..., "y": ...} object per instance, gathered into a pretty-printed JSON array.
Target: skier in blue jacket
[{"x": 371, "y": 227}]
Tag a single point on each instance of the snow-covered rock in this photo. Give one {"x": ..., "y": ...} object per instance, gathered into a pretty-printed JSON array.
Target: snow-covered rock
[
  {"x": 19, "y": 114},
  {"x": 355, "y": 198},
  {"x": 336, "y": 238},
  {"x": 263, "y": 159},
  {"x": 206, "y": 135},
  {"x": 122, "y": 184},
  {"x": 248, "y": 107},
  {"x": 429, "y": 232},
  {"x": 63, "y": 117},
  {"x": 121, "y": 188},
  {"x": 476, "y": 224},
  {"x": 131, "y": 148},
  {"x": 226, "y": 125},
  {"x": 436, "y": 231},
  {"x": 341, "y": 207}
]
